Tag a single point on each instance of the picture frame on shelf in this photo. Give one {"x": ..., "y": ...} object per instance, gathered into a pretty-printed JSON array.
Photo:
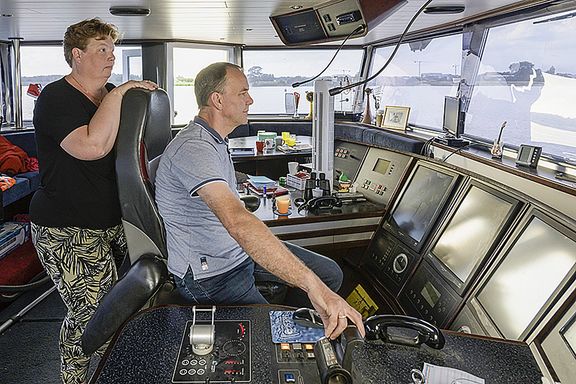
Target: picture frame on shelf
[{"x": 395, "y": 117}]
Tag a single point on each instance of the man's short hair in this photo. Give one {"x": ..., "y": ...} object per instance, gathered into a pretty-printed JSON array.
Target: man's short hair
[
  {"x": 77, "y": 35},
  {"x": 211, "y": 79}
]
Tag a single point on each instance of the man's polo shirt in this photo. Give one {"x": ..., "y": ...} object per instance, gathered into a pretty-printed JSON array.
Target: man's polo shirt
[{"x": 197, "y": 156}]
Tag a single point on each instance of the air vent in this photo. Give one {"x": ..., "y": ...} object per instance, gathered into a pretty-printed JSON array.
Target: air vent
[
  {"x": 129, "y": 11},
  {"x": 444, "y": 9}
]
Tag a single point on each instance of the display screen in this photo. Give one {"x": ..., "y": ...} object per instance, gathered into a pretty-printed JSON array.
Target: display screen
[
  {"x": 300, "y": 27},
  {"x": 381, "y": 166},
  {"x": 430, "y": 294},
  {"x": 568, "y": 333},
  {"x": 471, "y": 231},
  {"x": 524, "y": 154},
  {"x": 422, "y": 199},
  {"x": 451, "y": 113},
  {"x": 531, "y": 271}
]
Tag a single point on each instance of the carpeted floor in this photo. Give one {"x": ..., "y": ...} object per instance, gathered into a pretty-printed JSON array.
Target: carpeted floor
[{"x": 29, "y": 348}]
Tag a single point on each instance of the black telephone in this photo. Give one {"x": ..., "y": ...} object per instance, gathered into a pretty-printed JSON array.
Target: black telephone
[
  {"x": 377, "y": 328},
  {"x": 322, "y": 202}
]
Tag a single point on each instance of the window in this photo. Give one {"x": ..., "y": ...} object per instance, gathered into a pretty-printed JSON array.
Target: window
[
  {"x": 187, "y": 62},
  {"x": 419, "y": 76},
  {"x": 271, "y": 74},
  {"x": 45, "y": 64},
  {"x": 527, "y": 77}
]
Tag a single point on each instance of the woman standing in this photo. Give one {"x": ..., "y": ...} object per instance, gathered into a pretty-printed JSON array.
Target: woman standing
[{"x": 75, "y": 213}]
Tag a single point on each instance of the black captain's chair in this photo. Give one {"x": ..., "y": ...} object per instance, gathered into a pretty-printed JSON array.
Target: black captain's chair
[{"x": 144, "y": 133}]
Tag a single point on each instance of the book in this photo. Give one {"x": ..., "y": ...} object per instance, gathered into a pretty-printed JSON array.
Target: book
[{"x": 242, "y": 152}]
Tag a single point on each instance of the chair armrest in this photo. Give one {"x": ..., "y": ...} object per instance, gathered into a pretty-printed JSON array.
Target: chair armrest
[
  {"x": 251, "y": 202},
  {"x": 124, "y": 300}
]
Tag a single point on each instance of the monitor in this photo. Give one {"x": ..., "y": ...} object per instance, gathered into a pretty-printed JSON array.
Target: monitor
[
  {"x": 532, "y": 273},
  {"x": 421, "y": 203},
  {"x": 452, "y": 123},
  {"x": 475, "y": 226}
]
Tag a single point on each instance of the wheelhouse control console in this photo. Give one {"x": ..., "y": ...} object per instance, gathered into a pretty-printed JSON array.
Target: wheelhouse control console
[
  {"x": 380, "y": 174},
  {"x": 229, "y": 360}
]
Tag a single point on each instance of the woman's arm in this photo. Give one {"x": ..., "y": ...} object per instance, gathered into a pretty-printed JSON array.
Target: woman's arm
[{"x": 95, "y": 140}]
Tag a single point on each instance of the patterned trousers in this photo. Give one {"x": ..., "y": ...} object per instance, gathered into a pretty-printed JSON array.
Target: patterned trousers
[{"x": 82, "y": 263}]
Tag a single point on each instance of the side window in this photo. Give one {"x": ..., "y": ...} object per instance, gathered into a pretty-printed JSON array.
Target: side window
[
  {"x": 527, "y": 77},
  {"x": 271, "y": 74},
  {"x": 187, "y": 61},
  {"x": 39, "y": 65},
  {"x": 42, "y": 65},
  {"x": 419, "y": 76}
]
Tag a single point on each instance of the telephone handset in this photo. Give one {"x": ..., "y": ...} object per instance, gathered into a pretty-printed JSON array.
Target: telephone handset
[
  {"x": 377, "y": 328},
  {"x": 322, "y": 202}
]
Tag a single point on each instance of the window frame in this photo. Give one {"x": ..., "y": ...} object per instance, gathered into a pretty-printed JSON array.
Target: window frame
[
  {"x": 170, "y": 46},
  {"x": 356, "y": 103}
]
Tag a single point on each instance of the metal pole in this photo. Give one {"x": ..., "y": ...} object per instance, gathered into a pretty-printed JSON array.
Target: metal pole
[
  {"x": 14, "y": 319},
  {"x": 17, "y": 84}
]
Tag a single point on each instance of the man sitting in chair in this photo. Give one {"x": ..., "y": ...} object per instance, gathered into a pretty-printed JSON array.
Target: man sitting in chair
[{"x": 213, "y": 241}]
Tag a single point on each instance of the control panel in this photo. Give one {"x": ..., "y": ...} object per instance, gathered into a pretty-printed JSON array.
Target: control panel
[
  {"x": 380, "y": 173},
  {"x": 347, "y": 159},
  {"x": 390, "y": 261},
  {"x": 295, "y": 363},
  {"x": 429, "y": 297},
  {"x": 229, "y": 360}
]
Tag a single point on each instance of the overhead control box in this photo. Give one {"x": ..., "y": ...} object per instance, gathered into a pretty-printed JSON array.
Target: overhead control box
[{"x": 332, "y": 20}]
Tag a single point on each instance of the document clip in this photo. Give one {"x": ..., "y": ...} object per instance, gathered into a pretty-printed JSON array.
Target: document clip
[{"x": 202, "y": 335}]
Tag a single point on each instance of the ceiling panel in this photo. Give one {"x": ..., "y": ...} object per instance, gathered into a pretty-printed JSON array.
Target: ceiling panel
[{"x": 200, "y": 20}]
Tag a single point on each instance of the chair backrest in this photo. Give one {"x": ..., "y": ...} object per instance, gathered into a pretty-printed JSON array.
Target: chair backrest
[{"x": 143, "y": 135}]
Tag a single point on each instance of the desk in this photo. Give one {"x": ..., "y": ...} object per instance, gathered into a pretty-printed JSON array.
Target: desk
[
  {"x": 351, "y": 225},
  {"x": 272, "y": 163},
  {"x": 146, "y": 350}
]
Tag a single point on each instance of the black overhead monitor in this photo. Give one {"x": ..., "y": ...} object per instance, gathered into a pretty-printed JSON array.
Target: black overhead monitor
[
  {"x": 421, "y": 203},
  {"x": 452, "y": 123},
  {"x": 537, "y": 265},
  {"x": 475, "y": 226}
]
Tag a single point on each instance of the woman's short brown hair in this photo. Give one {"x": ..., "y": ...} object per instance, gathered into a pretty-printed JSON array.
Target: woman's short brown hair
[{"x": 77, "y": 35}]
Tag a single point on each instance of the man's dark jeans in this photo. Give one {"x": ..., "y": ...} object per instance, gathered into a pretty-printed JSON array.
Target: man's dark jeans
[{"x": 238, "y": 285}]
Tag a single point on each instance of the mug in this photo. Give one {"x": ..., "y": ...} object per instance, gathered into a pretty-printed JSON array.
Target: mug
[
  {"x": 282, "y": 204},
  {"x": 259, "y": 146},
  {"x": 292, "y": 167},
  {"x": 269, "y": 143},
  {"x": 279, "y": 141}
]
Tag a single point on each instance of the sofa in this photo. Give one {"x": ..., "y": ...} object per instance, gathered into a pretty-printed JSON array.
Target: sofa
[{"x": 26, "y": 182}]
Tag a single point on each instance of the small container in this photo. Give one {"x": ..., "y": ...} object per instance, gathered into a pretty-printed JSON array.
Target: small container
[
  {"x": 379, "y": 116},
  {"x": 279, "y": 141},
  {"x": 296, "y": 182}
]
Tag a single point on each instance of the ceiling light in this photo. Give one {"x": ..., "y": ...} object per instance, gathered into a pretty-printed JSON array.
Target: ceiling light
[
  {"x": 296, "y": 7},
  {"x": 129, "y": 11},
  {"x": 444, "y": 9}
]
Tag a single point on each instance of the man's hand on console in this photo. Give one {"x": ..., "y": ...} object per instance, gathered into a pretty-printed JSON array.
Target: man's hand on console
[{"x": 334, "y": 311}]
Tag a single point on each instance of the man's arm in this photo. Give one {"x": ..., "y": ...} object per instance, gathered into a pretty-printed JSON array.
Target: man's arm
[{"x": 251, "y": 233}]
